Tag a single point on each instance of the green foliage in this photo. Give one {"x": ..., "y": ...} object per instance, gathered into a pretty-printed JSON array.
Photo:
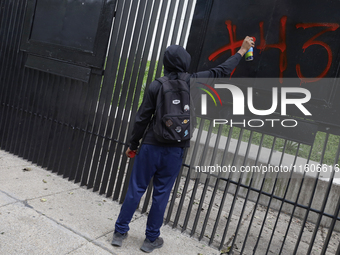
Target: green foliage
[
  {"x": 145, "y": 79},
  {"x": 146, "y": 75}
]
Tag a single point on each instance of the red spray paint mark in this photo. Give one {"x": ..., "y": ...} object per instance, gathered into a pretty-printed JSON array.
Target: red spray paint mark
[
  {"x": 282, "y": 46},
  {"x": 312, "y": 41},
  {"x": 232, "y": 46}
]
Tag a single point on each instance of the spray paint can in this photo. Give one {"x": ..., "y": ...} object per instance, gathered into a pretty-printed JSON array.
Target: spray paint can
[
  {"x": 132, "y": 154},
  {"x": 249, "y": 56}
]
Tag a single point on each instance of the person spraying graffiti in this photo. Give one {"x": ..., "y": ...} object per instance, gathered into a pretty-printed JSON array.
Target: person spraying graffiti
[{"x": 157, "y": 158}]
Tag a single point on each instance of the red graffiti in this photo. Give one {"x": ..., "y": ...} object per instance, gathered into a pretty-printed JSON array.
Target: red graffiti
[
  {"x": 312, "y": 41},
  {"x": 232, "y": 46},
  {"x": 281, "y": 45}
]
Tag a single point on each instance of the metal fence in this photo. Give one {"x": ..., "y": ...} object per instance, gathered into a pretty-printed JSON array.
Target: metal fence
[
  {"x": 79, "y": 130},
  {"x": 266, "y": 213}
]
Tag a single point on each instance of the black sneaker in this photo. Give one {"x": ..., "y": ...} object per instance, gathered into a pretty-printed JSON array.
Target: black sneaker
[
  {"x": 149, "y": 246},
  {"x": 118, "y": 238}
]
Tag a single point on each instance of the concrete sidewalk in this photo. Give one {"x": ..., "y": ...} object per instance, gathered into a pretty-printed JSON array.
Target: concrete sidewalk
[{"x": 42, "y": 213}]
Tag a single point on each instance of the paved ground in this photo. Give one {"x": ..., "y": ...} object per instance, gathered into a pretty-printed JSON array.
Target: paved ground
[{"x": 42, "y": 213}]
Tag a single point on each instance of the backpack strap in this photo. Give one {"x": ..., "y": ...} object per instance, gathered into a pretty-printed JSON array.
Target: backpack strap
[
  {"x": 185, "y": 77},
  {"x": 181, "y": 76},
  {"x": 162, "y": 79}
]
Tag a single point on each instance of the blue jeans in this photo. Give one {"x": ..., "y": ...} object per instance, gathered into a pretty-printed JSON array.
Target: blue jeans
[{"x": 162, "y": 163}]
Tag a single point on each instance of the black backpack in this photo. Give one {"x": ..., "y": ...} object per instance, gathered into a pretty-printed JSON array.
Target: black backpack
[{"x": 174, "y": 120}]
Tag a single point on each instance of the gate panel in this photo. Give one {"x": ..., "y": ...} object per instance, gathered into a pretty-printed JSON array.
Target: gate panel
[
  {"x": 76, "y": 123},
  {"x": 43, "y": 116}
]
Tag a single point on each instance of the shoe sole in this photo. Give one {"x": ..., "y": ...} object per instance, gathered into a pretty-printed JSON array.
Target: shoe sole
[
  {"x": 117, "y": 243},
  {"x": 148, "y": 251}
]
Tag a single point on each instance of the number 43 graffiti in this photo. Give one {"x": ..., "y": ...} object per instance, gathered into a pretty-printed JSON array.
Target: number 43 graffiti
[{"x": 281, "y": 45}]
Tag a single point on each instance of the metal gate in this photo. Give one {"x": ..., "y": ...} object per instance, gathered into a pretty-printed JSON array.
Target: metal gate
[
  {"x": 63, "y": 115},
  {"x": 69, "y": 111}
]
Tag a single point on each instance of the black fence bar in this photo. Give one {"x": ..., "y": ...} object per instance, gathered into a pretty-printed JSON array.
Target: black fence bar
[
  {"x": 116, "y": 119},
  {"x": 236, "y": 192},
  {"x": 327, "y": 192},
  {"x": 206, "y": 184},
  {"x": 119, "y": 126},
  {"x": 64, "y": 146},
  {"x": 310, "y": 200},
  {"x": 247, "y": 195},
  {"x": 32, "y": 78},
  {"x": 197, "y": 179},
  {"x": 31, "y": 137},
  {"x": 86, "y": 125},
  {"x": 336, "y": 211},
  {"x": 7, "y": 20},
  {"x": 259, "y": 195},
  {"x": 296, "y": 202},
  {"x": 104, "y": 104},
  {"x": 139, "y": 65},
  {"x": 142, "y": 52},
  {"x": 111, "y": 100},
  {"x": 62, "y": 102},
  {"x": 12, "y": 80},
  {"x": 175, "y": 35},
  {"x": 270, "y": 199},
  {"x": 76, "y": 143},
  {"x": 52, "y": 124},
  {"x": 225, "y": 191},
  {"x": 17, "y": 110},
  {"x": 64, "y": 136},
  {"x": 284, "y": 197},
  {"x": 74, "y": 129},
  {"x": 158, "y": 33},
  {"x": 186, "y": 185},
  {"x": 216, "y": 184},
  {"x": 47, "y": 125},
  {"x": 175, "y": 190},
  {"x": 6, "y": 48},
  {"x": 2, "y": 18},
  {"x": 42, "y": 122},
  {"x": 235, "y": 197},
  {"x": 187, "y": 180},
  {"x": 186, "y": 26},
  {"x": 93, "y": 118},
  {"x": 36, "y": 141},
  {"x": 166, "y": 35}
]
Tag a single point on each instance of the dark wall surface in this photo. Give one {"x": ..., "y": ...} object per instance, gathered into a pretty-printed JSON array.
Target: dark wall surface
[{"x": 294, "y": 39}]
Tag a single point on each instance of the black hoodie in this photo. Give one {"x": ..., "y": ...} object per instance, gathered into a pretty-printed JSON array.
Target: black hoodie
[{"x": 176, "y": 60}]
